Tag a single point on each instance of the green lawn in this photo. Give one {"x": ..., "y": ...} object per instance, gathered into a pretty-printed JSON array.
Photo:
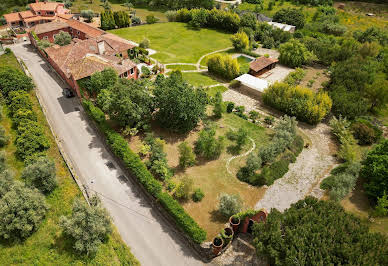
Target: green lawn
[
  {"x": 213, "y": 90},
  {"x": 181, "y": 67},
  {"x": 47, "y": 246},
  {"x": 199, "y": 79},
  {"x": 175, "y": 42}
]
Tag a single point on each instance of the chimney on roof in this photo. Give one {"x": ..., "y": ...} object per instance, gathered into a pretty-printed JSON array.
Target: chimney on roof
[{"x": 101, "y": 47}]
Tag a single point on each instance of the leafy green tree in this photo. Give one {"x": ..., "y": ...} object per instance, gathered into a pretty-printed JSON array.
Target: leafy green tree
[
  {"x": 229, "y": 204},
  {"x": 382, "y": 206},
  {"x": 218, "y": 105},
  {"x": 310, "y": 232},
  {"x": 223, "y": 66},
  {"x": 88, "y": 15},
  {"x": 240, "y": 137},
  {"x": 198, "y": 18},
  {"x": 184, "y": 188},
  {"x": 41, "y": 175},
  {"x": 248, "y": 20},
  {"x": 12, "y": 79},
  {"x": 122, "y": 19},
  {"x": 105, "y": 79},
  {"x": 240, "y": 41},
  {"x": 21, "y": 211},
  {"x": 63, "y": 38},
  {"x": 6, "y": 177},
  {"x": 130, "y": 104},
  {"x": 18, "y": 100},
  {"x": 207, "y": 146},
  {"x": 294, "y": 54},
  {"x": 107, "y": 20},
  {"x": 151, "y": 19},
  {"x": 375, "y": 171},
  {"x": 88, "y": 226},
  {"x": 180, "y": 106},
  {"x": 290, "y": 16},
  {"x": 186, "y": 155}
]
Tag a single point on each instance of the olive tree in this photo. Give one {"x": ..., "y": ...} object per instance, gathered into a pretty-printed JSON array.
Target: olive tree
[
  {"x": 88, "y": 226},
  {"x": 41, "y": 175},
  {"x": 63, "y": 38},
  {"x": 229, "y": 204},
  {"x": 22, "y": 209}
]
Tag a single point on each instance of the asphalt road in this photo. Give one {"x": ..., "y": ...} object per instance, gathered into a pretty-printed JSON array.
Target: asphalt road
[{"x": 151, "y": 238}]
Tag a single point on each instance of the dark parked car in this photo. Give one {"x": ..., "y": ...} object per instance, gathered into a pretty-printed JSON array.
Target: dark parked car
[{"x": 68, "y": 93}]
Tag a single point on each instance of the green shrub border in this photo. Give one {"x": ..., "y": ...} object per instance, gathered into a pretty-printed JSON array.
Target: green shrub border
[{"x": 134, "y": 164}]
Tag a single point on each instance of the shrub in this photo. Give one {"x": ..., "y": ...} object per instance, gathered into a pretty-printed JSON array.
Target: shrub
[
  {"x": 23, "y": 115},
  {"x": 18, "y": 100},
  {"x": 171, "y": 15},
  {"x": 30, "y": 140},
  {"x": 145, "y": 71},
  {"x": 340, "y": 128},
  {"x": 41, "y": 175},
  {"x": 151, "y": 19},
  {"x": 224, "y": 66},
  {"x": 341, "y": 181},
  {"x": 207, "y": 146},
  {"x": 158, "y": 158},
  {"x": 145, "y": 43},
  {"x": 184, "y": 188},
  {"x": 186, "y": 155},
  {"x": 294, "y": 54},
  {"x": 240, "y": 137},
  {"x": 375, "y": 171},
  {"x": 88, "y": 226},
  {"x": 235, "y": 84},
  {"x": 365, "y": 134},
  {"x": 381, "y": 209},
  {"x": 254, "y": 116},
  {"x": 317, "y": 223},
  {"x": 240, "y": 41},
  {"x": 290, "y": 16},
  {"x": 230, "y": 107},
  {"x": 303, "y": 103},
  {"x": 295, "y": 77},
  {"x": 218, "y": 105},
  {"x": 12, "y": 79},
  {"x": 4, "y": 139},
  {"x": 198, "y": 195},
  {"x": 21, "y": 210},
  {"x": 229, "y": 204}
]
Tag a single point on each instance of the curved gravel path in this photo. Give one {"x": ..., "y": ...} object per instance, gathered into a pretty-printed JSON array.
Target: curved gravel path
[
  {"x": 241, "y": 155},
  {"x": 312, "y": 165}
]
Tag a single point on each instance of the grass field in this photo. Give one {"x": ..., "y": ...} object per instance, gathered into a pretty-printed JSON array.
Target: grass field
[
  {"x": 181, "y": 67},
  {"x": 199, "y": 79},
  {"x": 212, "y": 91},
  {"x": 212, "y": 176},
  {"x": 47, "y": 246},
  {"x": 175, "y": 42},
  {"x": 96, "y": 6}
]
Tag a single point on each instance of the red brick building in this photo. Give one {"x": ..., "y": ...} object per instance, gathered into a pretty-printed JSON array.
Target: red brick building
[{"x": 39, "y": 13}]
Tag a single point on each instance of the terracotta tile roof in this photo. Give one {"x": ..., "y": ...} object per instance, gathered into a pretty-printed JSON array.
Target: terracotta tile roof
[
  {"x": 261, "y": 62},
  {"x": 93, "y": 63},
  {"x": 81, "y": 58},
  {"x": 116, "y": 42},
  {"x": 37, "y": 18},
  {"x": 50, "y": 26},
  {"x": 65, "y": 16},
  {"x": 26, "y": 14},
  {"x": 45, "y": 6},
  {"x": 12, "y": 17},
  {"x": 85, "y": 28}
]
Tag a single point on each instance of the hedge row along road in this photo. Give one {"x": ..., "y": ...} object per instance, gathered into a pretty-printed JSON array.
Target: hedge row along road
[{"x": 152, "y": 240}]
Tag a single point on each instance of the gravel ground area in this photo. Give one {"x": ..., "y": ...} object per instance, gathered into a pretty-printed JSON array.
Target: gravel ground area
[
  {"x": 271, "y": 52},
  {"x": 312, "y": 165}
]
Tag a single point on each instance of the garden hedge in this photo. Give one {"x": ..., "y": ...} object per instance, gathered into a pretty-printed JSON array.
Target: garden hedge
[{"x": 133, "y": 162}]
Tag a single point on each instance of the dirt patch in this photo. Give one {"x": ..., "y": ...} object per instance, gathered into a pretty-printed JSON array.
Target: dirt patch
[{"x": 314, "y": 77}]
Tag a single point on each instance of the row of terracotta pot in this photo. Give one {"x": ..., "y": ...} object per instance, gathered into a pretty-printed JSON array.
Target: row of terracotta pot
[{"x": 226, "y": 235}]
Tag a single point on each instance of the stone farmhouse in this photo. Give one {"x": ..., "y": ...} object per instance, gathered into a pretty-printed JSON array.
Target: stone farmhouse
[
  {"x": 91, "y": 50},
  {"x": 39, "y": 13}
]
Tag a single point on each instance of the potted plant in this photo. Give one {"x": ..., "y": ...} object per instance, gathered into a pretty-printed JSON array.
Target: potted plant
[
  {"x": 227, "y": 235},
  {"x": 234, "y": 222},
  {"x": 217, "y": 245}
]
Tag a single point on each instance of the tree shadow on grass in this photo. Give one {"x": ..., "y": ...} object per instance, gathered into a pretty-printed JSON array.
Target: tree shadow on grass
[
  {"x": 233, "y": 150},
  {"x": 217, "y": 217}
]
